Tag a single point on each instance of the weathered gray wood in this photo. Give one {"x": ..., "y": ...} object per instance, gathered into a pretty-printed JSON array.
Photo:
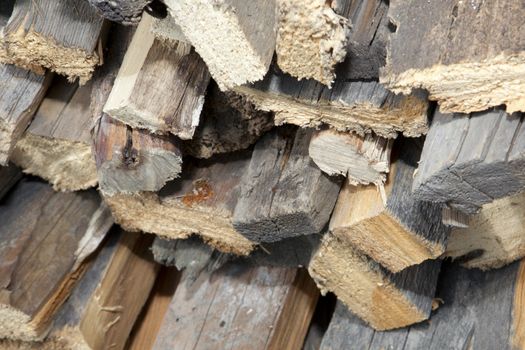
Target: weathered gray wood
[
  {"x": 470, "y": 160},
  {"x": 20, "y": 95},
  {"x": 9, "y": 176},
  {"x": 283, "y": 194},
  {"x": 235, "y": 38},
  {"x": 61, "y": 35},
  {"x": 465, "y": 56},
  {"x": 126, "y": 12}
]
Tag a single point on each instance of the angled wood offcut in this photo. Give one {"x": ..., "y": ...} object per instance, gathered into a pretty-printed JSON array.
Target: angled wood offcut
[
  {"x": 283, "y": 194},
  {"x": 61, "y": 35},
  {"x": 470, "y": 160},
  {"x": 383, "y": 300},
  {"x": 235, "y": 38},
  {"x": 57, "y": 144},
  {"x": 160, "y": 86},
  {"x": 468, "y": 58},
  {"x": 388, "y": 223}
]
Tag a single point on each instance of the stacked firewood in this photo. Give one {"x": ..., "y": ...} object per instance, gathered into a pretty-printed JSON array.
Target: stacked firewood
[{"x": 192, "y": 173}]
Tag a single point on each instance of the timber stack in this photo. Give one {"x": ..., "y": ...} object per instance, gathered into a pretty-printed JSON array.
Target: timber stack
[{"x": 264, "y": 174}]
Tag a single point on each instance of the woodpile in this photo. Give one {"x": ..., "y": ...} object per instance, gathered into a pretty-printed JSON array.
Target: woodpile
[{"x": 280, "y": 174}]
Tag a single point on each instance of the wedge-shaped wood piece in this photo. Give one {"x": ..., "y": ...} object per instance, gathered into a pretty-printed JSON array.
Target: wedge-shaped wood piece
[
  {"x": 283, "y": 194},
  {"x": 9, "y": 176},
  {"x": 470, "y": 160},
  {"x": 490, "y": 71},
  {"x": 61, "y": 35},
  {"x": 235, "y": 38},
  {"x": 389, "y": 224},
  {"x": 57, "y": 144},
  {"x": 363, "y": 160},
  {"x": 21, "y": 93},
  {"x": 216, "y": 310},
  {"x": 381, "y": 299},
  {"x": 46, "y": 239},
  {"x": 159, "y": 87},
  {"x": 495, "y": 236},
  {"x": 468, "y": 309},
  {"x": 201, "y": 202}
]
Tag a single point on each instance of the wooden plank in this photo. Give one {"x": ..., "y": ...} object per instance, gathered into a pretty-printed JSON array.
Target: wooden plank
[
  {"x": 62, "y": 36},
  {"x": 470, "y": 160},
  {"x": 9, "y": 176},
  {"x": 21, "y": 93},
  {"x": 383, "y": 300},
  {"x": 283, "y": 194},
  {"x": 388, "y": 224},
  {"x": 236, "y": 44},
  {"x": 159, "y": 87},
  {"x": 363, "y": 160},
  {"x": 57, "y": 144},
  {"x": 446, "y": 51},
  {"x": 47, "y": 237},
  {"x": 126, "y": 12}
]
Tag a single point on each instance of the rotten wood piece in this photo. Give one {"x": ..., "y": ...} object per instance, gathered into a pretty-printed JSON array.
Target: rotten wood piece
[
  {"x": 9, "y": 176},
  {"x": 57, "y": 144},
  {"x": 448, "y": 52},
  {"x": 382, "y": 299},
  {"x": 159, "y": 87},
  {"x": 283, "y": 194},
  {"x": 470, "y": 160},
  {"x": 388, "y": 224},
  {"x": 235, "y": 38}
]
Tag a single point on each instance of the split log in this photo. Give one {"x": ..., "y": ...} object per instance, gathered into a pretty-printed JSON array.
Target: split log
[
  {"x": 61, "y": 35},
  {"x": 495, "y": 236},
  {"x": 460, "y": 68},
  {"x": 470, "y": 160},
  {"x": 159, "y": 87},
  {"x": 200, "y": 202},
  {"x": 283, "y": 194},
  {"x": 235, "y": 38},
  {"x": 473, "y": 302},
  {"x": 382, "y": 299},
  {"x": 389, "y": 224},
  {"x": 125, "y": 12},
  {"x": 9, "y": 176},
  {"x": 47, "y": 238},
  {"x": 57, "y": 144},
  {"x": 363, "y": 160},
  {"x": 168, "y": 31},
  {"x": 21, "y": 93}
]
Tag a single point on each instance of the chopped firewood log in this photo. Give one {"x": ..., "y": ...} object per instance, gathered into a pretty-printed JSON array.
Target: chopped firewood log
[
  {"x": 9, "y": 176},
  {"x": 159, "y": 87},
  {"x": 360, "y": 106},
  {"x": 235, "y": 38},
  {"x": 495, "y": 236},
  {"x": 167, "y": 31},
  {"x": 21, "y": 93},
  {"x": 388, "y": 224},
  {"x": 118, "y": 299},
  {"x": 472, "y": 302},
  {"x": 311, "y": 39},
  {"x": 200, "y": 202},
  {"x": 382, "y": 299},
  {"x": 473, "y": 61},
  {"x": 470, "y": 160},
  {"x": 57, "y": 144},
  {"x": 47, "y": 237},
  {"x": 289, "y": 252},
  {"x": 60, "y": 35},
  {"x": 283, "y": 194},
  {"x": 126, "y": 12},
  {"x": 228, "y": 123},
  {"x": 363, "y": 160}
]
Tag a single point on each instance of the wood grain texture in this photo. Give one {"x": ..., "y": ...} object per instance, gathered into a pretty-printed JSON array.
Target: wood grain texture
[
  {"x": 159, "y": 87},
  {"x": 448, "y": 52},
  {"x": 167, "y": 30},
  {"x": 388, "y": 223},
  {"x": 57, "y": 144},
  {"x": 21, "y": 93},
  {"x": 125, "y": 12},
  {"x": 383, "y": 300},
  {"x": 283, "y": 194},
  {"x": 235, "y": 38},
  {"x": 47, "y": 237},
  {"x": 470, "y": 160},
  {"x": 9, "y": 176},
  {"x": 61, "y": 35}
]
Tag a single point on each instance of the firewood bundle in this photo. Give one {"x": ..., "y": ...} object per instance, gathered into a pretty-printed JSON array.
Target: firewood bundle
[{"x": 196, "y": 173}]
